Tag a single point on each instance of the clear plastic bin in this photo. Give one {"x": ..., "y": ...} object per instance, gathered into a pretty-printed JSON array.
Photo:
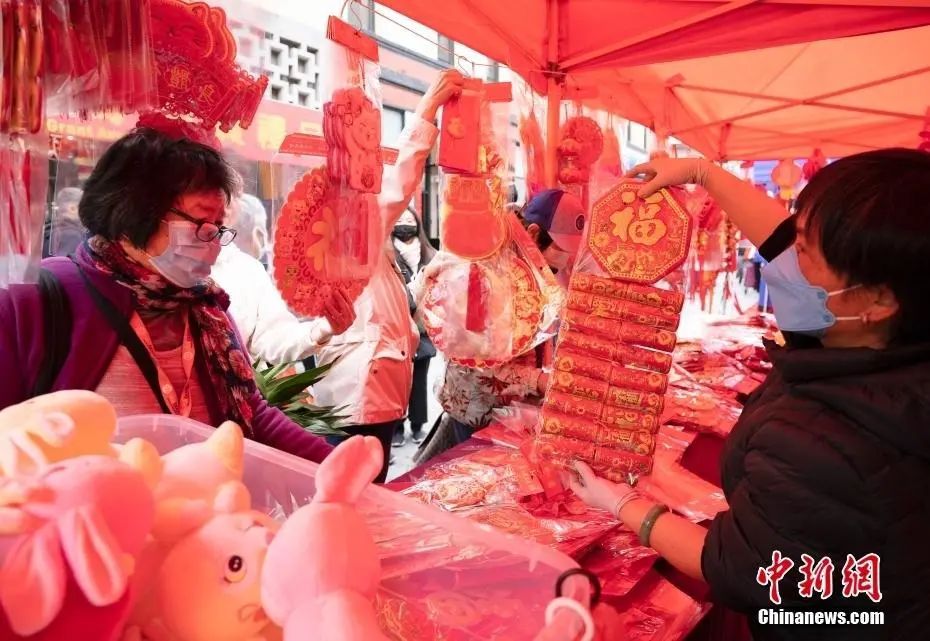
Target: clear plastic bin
[{"x": 444, "y": 577}]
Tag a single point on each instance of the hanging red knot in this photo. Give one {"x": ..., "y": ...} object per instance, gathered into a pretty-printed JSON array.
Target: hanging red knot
[{"x": 814, "y": 164}]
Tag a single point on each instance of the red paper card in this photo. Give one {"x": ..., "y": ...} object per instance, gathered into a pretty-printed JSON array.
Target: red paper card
[{"x": 637, "y": 240}]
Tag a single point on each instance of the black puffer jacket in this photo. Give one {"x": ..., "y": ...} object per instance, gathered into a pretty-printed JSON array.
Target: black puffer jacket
[{"x": 831, "y": 457}]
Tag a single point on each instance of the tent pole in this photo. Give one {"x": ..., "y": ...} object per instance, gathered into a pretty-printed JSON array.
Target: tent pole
[{"x": 553, "y": 96}]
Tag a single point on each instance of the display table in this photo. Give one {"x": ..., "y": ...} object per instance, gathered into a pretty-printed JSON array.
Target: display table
[{"x": 655, "y": 601}]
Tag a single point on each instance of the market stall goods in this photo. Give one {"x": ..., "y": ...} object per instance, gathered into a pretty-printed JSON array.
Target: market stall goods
[
  {"x": 136, "y": 534},
  {"x": 308, "y": 246},
  {"x": 614, "y": 351}
]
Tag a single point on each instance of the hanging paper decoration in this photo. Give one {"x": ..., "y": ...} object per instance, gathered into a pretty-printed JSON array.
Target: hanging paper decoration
[
  {"x": 786, "y": 175},
  {"x": 618, "y": 331},
  {"x": 534, "y": 146},
  {"x": 638, "y": 240},
  {"x": 813, "y": 164},
  {"x": 610, "y": 160},
  {"x": 460, "y": 132},
  {"x": 352, "y": 127},
  {"x": 198, "y": 78},
  {"x": 471, "y": 228},
  {"x": 22, "y": 67},
  {"x": 580, "y": 147},
  {"x": 307, "y": 245}
]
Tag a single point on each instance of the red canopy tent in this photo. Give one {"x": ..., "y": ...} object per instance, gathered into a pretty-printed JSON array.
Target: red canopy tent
[{"x": 660, "y": 61}]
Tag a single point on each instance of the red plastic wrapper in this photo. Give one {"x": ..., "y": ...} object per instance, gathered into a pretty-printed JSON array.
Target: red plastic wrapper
[
  {"x": 622, "y": 310},
  {"x": 563, "y": 450},
  {"x": 575, "y": 344},
  {"x": 617, "y": 465},
  {"x": 664, "y": 613},
  {"x": 576, "y": 363},
  {"x": 629, "y": 419},
  {"x": 587, "y": 409},
  {"x": 578, "y": 385},
  {"x": 562, "y": 425},
  {"x": 614, "y": 330},
  {"x": 635, "y": 379},
  {"x": 638, "y": 442},
  {"x": 700, "y": 408},
  {"x": 620, "y": 562},
  {"x": 649, "y": 402},
  {"x": 669, "y": 302},
  {"x": 574, "y": 406}
]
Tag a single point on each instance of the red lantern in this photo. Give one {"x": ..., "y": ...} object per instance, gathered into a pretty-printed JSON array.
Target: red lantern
[{"x": 786, "y": 175}]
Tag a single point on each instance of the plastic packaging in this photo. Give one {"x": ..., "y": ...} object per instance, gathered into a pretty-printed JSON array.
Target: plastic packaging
[
  {"x": 23, "y": 186},
  {"x": 351, "y": 94},
  {"x": 468, "y": 308},
  {"x": 443, "y": 576},
  {"x": 21, "y": 84}
]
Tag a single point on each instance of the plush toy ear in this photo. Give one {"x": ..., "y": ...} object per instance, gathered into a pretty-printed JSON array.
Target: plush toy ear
[
  {"x": 232, "y": 496},
  {"x": 142, "y": 456},
  {"x": 56, "y": 428},
  {"x": 228, "y": 444},
  {"x": 33, "y": 582},
  {"x": 350, "y": 468},
  {"x": 175, "y": 518},
  {"x": 19, "y": 454},
  {"x": 99, "y": 566}
]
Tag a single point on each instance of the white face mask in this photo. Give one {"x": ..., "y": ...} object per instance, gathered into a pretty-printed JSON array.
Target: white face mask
[{"x": 187, "y": 260}]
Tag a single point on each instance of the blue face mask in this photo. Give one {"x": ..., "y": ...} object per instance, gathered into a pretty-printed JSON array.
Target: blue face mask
[{"x": 799, "y": 306}]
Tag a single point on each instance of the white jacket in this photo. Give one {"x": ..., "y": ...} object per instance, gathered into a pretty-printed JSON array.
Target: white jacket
[
  {"x": 374, "y": 372},
  {"x": 270, "y": 331}
]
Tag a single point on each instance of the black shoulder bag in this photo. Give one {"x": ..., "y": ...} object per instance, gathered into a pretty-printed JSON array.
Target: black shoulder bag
[{"x": 56, "y": 322}]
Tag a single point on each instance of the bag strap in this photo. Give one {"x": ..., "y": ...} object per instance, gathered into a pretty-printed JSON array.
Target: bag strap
[
  {"x": 128, "y": 338},
  {"x": 57, "y": 324}
]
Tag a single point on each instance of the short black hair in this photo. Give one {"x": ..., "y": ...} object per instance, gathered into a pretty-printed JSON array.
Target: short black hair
[
  {"x": 870, "y": 215},
  {"x": 140, "y": 177}
]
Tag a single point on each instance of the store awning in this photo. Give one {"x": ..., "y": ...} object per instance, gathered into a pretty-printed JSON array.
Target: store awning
[{"x": 700, "y": 69}]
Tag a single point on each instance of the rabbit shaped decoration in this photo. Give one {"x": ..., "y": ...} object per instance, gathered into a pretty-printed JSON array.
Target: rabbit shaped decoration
[{"x": 322, "y": 569}]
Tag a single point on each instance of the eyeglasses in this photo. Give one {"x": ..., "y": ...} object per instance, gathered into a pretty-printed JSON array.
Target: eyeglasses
[{"x": 208, "y": 231}]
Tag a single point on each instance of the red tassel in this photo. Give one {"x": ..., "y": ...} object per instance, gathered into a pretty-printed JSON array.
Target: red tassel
[{"x": 476, "y": 316}]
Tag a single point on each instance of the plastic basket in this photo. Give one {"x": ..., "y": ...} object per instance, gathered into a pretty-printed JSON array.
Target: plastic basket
[{"x": 443, "y": 576}]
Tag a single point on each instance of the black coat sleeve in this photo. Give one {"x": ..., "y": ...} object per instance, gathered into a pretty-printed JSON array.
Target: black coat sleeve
[{"x": 790, "y": 490}]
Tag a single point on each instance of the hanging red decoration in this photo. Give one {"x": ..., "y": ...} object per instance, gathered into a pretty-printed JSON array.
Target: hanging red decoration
[
  {"x": 582, "y": 144},
  {"x": 814, "y": 164},
  {"x": 307, "y": 246},
  {"x": 198, "y": 78}
]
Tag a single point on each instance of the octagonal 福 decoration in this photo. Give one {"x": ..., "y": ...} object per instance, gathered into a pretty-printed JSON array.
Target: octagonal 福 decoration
[{"x": 639, "y": 240}]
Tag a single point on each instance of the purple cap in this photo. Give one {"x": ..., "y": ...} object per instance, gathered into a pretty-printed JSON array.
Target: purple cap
[{"x": 559, "y": 213}]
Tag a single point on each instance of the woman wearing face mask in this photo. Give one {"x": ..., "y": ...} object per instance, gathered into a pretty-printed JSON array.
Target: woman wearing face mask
[
  {"x": 831, "y": 457},
  {"x": 148, "y": 328},
  {"x": 412, "y": 253}
]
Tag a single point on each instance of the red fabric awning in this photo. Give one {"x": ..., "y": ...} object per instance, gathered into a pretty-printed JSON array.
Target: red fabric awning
[{"x": 735, "y": 79}]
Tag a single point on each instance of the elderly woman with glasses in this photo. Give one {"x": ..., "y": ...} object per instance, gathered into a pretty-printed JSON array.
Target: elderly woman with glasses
[{"x": 133, "y": 314}]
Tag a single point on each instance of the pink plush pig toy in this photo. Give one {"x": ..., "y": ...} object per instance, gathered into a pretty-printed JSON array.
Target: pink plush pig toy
[
  {"x": 69, "y": 539},
  {"x": 322, "y": 568}
]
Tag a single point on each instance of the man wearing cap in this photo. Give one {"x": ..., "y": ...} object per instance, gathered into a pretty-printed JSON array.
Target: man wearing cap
[{"x": 556, "y": 219}]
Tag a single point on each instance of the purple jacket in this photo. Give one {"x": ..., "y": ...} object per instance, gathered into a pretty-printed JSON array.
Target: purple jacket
[{"x": 93, "y": 345}]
